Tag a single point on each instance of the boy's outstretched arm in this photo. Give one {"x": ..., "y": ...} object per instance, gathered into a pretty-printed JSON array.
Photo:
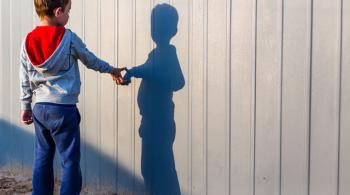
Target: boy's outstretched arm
[
  {"x": 89, "y": 59},
  {"x": 26, "y": 92}
]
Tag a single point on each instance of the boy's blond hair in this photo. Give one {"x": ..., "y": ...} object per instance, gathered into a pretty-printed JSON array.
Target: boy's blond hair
[{"x": 46, "y": 7}]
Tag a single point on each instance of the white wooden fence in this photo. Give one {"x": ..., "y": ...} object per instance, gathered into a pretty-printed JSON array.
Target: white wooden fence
[{"x": 265, "y": 109}]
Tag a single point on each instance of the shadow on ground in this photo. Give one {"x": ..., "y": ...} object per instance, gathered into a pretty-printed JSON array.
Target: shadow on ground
[{"x": 16, "y": 151}]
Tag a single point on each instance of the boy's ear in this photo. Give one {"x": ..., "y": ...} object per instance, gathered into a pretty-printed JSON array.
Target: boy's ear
[{"x": 57, "y": 11}]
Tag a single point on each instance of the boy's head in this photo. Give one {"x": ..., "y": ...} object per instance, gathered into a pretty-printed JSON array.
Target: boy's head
[
  {"x": 164, "y": 21},
  {"x": 56, "y": 10}
]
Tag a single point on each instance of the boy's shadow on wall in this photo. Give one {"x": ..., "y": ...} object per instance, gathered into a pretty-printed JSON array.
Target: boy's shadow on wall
[{"x": 161, "y": 76}]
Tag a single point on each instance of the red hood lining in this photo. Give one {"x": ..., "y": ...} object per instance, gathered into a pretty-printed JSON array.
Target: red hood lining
[{"x": 42, "y": 42}]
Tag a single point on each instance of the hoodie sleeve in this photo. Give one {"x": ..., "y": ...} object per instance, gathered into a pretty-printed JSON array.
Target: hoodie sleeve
[
  {"x": 89, "y": 59},
  {"x": 26, "y": 92}
]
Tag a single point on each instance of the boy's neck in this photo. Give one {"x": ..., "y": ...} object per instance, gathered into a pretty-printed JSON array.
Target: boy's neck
[{"x": 46, "y": 21}]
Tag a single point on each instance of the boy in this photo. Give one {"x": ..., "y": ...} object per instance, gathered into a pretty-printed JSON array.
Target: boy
[{"x": 49, "y": 70}]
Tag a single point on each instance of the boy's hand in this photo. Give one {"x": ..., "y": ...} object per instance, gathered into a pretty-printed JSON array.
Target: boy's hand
[
  {"x": 26, "y": 117},
  {"x": 117, "y": 77}
]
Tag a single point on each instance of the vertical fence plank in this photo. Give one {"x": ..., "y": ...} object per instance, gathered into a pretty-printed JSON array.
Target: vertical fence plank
[
  {"x": 197, "y": 85},
  {"x": 325, "y": 98},
  {"x": 2, "y": 48},
  {"x": 13, "y": 92},
  {"x": 108, "y": 115},
  {"x": 344, "y": 159},
  {"x": 217, "y": 98},
  {"x": 5, "y": 77},
  {"x": 268, "y": 88},
  {"x": 1, "y": 57},
  {"x": 242, "y": 85},
  {"x": 125, "y": 118},
  {"x": 91, "y": 90},
  {"x": 295, "y": 97}
]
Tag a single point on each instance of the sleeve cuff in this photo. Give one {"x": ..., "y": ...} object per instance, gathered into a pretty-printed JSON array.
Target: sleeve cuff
[
  {"x": 26, "y": 106},
  {"x": 110, "y": 69}
]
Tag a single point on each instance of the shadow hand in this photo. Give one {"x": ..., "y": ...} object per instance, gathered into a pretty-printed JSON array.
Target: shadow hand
[{"x": 127, "y": 78}]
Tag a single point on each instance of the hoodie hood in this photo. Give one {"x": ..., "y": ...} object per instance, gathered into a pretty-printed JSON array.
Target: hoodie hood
[{"x": 45, "y": 51}]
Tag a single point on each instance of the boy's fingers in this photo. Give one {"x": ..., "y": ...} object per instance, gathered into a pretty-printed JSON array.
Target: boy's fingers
[
  {"x": 114, "y": 77},
  {"x": 27, "y": 122},
  {"x": 118, "y": 79},
  {"x": 118, "y": 82}
]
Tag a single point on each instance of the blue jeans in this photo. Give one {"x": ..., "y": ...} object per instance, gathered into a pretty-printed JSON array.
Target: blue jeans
[{"x": 56, "y": 126}]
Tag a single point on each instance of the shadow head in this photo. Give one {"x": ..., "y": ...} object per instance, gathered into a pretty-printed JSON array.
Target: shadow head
[{"x": 164, "y": 20}]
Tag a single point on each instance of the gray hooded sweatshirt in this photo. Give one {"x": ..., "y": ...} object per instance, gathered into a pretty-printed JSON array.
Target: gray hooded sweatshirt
[{"x": 57, "y": 80}]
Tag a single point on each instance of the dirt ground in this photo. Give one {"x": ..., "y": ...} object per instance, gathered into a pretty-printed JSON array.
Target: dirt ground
[{"x": 14, "y": 182}]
